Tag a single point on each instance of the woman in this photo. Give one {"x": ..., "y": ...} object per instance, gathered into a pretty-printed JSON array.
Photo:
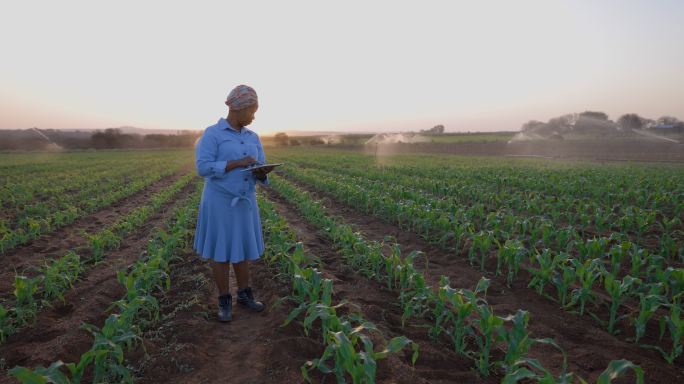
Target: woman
[{"x": 228, "y": 227}]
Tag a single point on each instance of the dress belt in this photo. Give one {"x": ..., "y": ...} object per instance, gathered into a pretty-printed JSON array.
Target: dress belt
[{"x": 235, "y": 200}]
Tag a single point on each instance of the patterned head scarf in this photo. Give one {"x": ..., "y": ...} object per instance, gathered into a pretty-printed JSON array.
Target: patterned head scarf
[{"x": 241, "y": 97}]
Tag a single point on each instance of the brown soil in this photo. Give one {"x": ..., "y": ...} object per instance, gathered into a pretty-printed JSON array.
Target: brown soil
[
  {"x": 437, "y": 362},
  {"x": 57, "y": 335},
  {"x": 27, "y": 258},
  {"x": 189, "y": 345},
  {"x": 589, "y": 348}
]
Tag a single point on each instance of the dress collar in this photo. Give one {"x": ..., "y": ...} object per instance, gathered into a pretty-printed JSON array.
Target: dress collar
[{"x": 224, "y": 124}]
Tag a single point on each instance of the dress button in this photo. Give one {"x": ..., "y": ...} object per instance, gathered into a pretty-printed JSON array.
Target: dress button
[
  {"x": 244, "y": 153},
  {"x": 242, "y": 142},
  {"x": 245, "y": 179}
]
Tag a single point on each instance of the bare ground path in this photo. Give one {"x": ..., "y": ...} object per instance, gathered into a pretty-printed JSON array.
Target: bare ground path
[
  {"x": 589, "y": 348},
  {"x": 56, "y": 333},
  {"x": 189, "y": 345}
]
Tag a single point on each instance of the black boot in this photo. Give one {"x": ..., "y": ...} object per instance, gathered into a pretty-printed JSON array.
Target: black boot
[
  {"x": 225, "y": 308},
  {"x": 246, "y": 299}
]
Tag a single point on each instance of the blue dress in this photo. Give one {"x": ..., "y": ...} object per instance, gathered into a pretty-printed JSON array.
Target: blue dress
[{"x": 228, "y": 224}]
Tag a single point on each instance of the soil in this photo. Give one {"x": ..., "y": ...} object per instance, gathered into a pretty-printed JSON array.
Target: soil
[
  {"x": 437, "y": 362},
  {"x": 589, "y": 348},
  {"x": 189, "y": 344},
  {"x": 27, "y": 258},
  {"x": 57, "y": 333}
]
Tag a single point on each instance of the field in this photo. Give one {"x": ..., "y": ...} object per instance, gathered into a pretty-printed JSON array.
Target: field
[{"x": 397, "y": 269}]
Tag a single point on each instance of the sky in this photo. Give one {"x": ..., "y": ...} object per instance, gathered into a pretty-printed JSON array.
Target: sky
[{"x": 354, "y": 66}]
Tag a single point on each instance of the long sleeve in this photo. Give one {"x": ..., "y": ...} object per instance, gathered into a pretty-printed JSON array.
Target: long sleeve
[
  {"x": 261, "y": 158},
  {"x": 206, "y": 154}
]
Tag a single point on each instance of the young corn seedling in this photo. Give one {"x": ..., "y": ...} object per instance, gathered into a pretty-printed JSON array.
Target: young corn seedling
[
  {"x": 512, "y": 253},
  {"x": 488, "y": 326},
  {"x": 618, "y": 291},
  {"x": 588, "y": 273},
  {"x": 547, "y": 263},
  {"x": 617, "y": 254},
  {"x": 674, "y": 323},
  {"x": 6, "y": 327},
  {"x": 529, "y": 369},
  {"x": 482, "y": 242},
  {"x": 517, "y": 338},
  {"x": 26, "y": 305},
  {"x": 102, "y": 242},
  {"x": 648, "y": 304},
  {"x": 451, "y": 310},
  {"x": 60, "y": 275},
  {"x": 564, "y": 277}
]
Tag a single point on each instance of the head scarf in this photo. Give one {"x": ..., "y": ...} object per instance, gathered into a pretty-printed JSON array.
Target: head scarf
[{"x": 241, "y": 97}]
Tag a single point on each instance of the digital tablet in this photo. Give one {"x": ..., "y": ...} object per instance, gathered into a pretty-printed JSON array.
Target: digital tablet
[{"x": 262, "y": 166}]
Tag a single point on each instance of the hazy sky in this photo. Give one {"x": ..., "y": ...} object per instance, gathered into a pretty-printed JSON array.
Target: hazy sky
[{"x": 348, "y": 65}]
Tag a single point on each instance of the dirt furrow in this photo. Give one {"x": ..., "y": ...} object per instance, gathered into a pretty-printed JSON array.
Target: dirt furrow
[
  {"x": 437, "y": 363},
  {"x": 25, "y": 259},
  {"x": 189, "y": 345},
  {"x": 57, "y": 333},
  {"x": 589, "y": 348}
]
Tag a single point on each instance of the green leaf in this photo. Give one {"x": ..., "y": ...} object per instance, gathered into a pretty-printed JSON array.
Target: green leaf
[{"x": 617, "y": 368}]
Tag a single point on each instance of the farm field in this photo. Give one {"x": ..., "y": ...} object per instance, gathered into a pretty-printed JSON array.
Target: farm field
[{"x": 399, "y": 269}]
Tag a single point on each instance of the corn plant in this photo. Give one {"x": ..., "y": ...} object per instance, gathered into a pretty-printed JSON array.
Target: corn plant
[
  {"x": 60, "y": 275},
  {"x": 6, "y": 326},
  {"x": 451, "y": 311},
  {"x": 511, "y": 254},
  {"x": 618, "y": 367},
  {"x": 488, "y": 334},
  {"x": 618, "y": 290},
  {"x": 482, "y": 242},
  {"x": 564, "y": 277},
  {"x": 517, "y": 339},
  {"x": 547, "y": 264},
  {"x": 529, "y": 369},
  {"x": 588, "y": 273},
  {"x": 26, "y": 304},
  {"x": 674, "y": 323},
  {"x": 648, "y": 304}
]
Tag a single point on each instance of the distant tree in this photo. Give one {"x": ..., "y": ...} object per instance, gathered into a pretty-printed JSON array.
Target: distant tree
[
  {"x": 631, "y": 121},
  {"x": 282, "y": 139},
  {"x": 530, "y": 125},
  {"x": 595, "y": 115},
  {"x": 561, "y": 122},
  {"x": 675, "y": 123},
  {"x": 668, "y": 120},
  {"x": 436, "y": 130}
]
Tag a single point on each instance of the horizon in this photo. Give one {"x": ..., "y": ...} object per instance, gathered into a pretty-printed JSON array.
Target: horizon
[{"x": 385, "y": 67}]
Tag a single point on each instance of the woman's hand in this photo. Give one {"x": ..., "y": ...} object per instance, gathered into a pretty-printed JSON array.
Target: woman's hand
[
  {"x": 247, "y": 161},
  {"x": 242, "y": 163}
]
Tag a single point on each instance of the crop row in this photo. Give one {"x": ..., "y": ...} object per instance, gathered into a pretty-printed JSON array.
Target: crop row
[
  {"x": 77, "y": 187},
  {"x": 23, "y": 183},
  {"x": 576, "y": 268},
  {"x": 653, "y": 211},
  {"x": 137, "y": 309},
  {"x": 46, "y": 220},
  {"x": 463, "y": 315},
  {"x": 615, "y": 186},
  {"x": 58, "y": 275},
  {"x": 349, "y": 350}
]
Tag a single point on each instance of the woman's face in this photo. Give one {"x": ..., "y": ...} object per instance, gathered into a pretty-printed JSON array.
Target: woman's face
[{"x": 246, "y": 116}]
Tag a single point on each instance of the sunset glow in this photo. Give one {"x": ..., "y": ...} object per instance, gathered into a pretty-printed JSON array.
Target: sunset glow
[{"x": 351, "y": 66}]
